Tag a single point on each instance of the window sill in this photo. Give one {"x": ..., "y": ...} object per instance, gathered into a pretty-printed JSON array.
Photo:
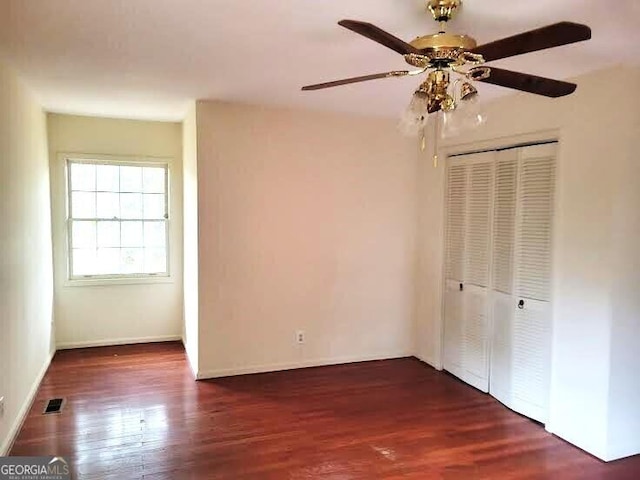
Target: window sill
[{"x": 101, "y": 282}]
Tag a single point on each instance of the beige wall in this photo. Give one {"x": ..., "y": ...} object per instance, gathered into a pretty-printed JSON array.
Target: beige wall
[
  {"x": 307, "y": 222},
  {"x": 190, "y": 205},
  {"x": 109, "y": 313},
  {"x": 596, "y": 239},
  {"x": 624, "y": 383},
  {"x": 26, "y": 277}
]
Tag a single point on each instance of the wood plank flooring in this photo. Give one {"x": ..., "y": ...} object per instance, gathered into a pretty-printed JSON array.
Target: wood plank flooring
[{"x": 135, "y": 412}]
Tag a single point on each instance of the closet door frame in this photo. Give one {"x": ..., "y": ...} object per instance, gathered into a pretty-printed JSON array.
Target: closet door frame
[{"x": 451, "y": 151}]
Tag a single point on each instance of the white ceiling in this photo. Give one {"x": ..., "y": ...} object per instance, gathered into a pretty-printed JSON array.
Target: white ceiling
[{"x": 148, "y": 58}]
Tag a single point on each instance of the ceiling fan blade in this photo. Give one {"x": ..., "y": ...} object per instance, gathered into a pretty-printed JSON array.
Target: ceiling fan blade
[
  {"x": 555, "y": 35},
  {"x": 364, "y": 78},
  {"x": 529, "y": 83},
  {"x": 378, "y": 35}
]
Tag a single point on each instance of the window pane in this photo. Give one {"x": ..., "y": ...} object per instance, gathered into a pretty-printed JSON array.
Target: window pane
[
  {"x": 84, "y": 262},
  {"x": 130, "y": 179},
  {"x": 83, "y": 176},
  {"x": 132, "y": 238},
  {"x": 109, "y": 261},
  {"x": 108, "y": 234},
  {"x": 132, "y": 260},
  {"x": 108, "y": 178},
  {"x": 132, "y": 234},
  {"x": 83, "y": 205},
  {"x": 154, "y": 206},
  {"x": 153, "y": 179},
  {"x": 155, "y": 234},
  {"x": 83, "y": 235},
  {"x": 155, "y": 260},
  {"x": 131, "y": 205},
  {"x": 108, "y": 205}
]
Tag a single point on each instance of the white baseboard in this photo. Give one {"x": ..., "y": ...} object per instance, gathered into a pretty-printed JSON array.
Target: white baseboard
[
  {"x": 619, "y": 451},
  {"x": 22, "y": 414},
  {"x": 429, "y": 361},
  {"x": 276, "y": 367},
  {"x": 193, "y": 366},
  {"x": 118, "y": 341},
  {"x": 591, "y": 446}
]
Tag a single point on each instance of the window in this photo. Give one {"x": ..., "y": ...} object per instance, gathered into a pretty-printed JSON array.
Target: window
[{"x": 117, "y": 219}]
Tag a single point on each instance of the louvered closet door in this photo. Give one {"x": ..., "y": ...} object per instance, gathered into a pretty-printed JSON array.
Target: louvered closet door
[
  {"x": 476, "y": 276},
  {"x": 453, "y": 327},
  {"x": 456, "y": 213},
  {"x": 533, "y": 258},
  {"x": 502, "y": 300},
  {"x": 470, "y": 197}
]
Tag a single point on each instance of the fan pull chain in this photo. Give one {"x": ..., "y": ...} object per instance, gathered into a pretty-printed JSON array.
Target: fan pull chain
[{"x": 436, "y": 134}]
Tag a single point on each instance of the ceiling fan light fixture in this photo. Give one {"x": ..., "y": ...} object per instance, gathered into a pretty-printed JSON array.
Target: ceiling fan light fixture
[
  {"x": 467, "y": 92},
  {"x": 448, "y": 104},
  {"x": 467, "y": 116},
  {"x": 418, "y": 103}
]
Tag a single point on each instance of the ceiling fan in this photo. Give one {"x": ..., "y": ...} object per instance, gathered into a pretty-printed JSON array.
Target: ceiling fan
[{"x": 441, "y": 54}]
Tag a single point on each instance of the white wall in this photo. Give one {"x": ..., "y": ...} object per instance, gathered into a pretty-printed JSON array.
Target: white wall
[
  {"x": 190, "y": 205},
  {"x": 624, "y": 388},
  {"x": 597, "y": 188},
  {"x": 307, "y": 222},
  {"x": 26, "y": 277},
  {"x": 116, "y": 313},
  {"x": 430, "y": 248}
]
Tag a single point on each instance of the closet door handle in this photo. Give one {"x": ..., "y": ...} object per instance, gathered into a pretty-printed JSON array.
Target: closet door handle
[{"x": 521, "y": 304}]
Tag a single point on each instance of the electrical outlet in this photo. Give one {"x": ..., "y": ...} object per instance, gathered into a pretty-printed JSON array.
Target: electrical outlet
[
  {"x": 1, "y": 406},
  {"x": 300, "y": 337}
]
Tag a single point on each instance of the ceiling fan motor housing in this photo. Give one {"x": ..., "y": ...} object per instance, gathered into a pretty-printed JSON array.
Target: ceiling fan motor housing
[{"x": 439, "y": 49}]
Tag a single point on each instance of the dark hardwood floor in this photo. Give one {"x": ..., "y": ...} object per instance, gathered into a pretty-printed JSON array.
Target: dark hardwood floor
[{"x": 135, "y": 412}]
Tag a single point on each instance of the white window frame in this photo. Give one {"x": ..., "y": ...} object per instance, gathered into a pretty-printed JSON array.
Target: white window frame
[{"x": 121, "y": 278}]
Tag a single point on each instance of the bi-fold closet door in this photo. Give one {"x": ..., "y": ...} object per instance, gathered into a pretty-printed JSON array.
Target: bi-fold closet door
[
  {"x": 521, "y": 279},
  {"x": 497, "y": 306},
  {"x": 467, "y": 275}
]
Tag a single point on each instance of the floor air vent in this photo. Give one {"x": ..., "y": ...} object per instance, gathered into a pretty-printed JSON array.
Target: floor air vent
[{"x": 54, "y": 406}]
